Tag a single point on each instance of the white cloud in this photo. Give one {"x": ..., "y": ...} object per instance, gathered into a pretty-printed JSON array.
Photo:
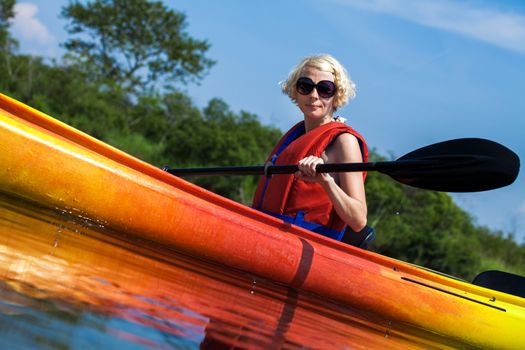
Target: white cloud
[
  {"x": 495, "y": 26},
  {"x": 27, "y": 27}
]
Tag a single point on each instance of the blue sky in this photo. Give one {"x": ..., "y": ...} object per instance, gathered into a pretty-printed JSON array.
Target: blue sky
[{"x": 426, "y": 70}]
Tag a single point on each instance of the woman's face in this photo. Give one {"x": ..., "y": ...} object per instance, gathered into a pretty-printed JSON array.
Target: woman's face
[{"x": 312, "y": 105}]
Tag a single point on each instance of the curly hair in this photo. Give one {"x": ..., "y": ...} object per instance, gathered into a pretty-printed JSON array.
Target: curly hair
[{"x": 346, "y": 88}]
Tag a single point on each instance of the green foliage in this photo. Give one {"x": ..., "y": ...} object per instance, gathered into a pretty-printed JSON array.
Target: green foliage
[
  {"x": 6, "y": 13},
  {"x": 134, "y": 43},
  {"x": 110, "y": 90},
  {"x": 138, "y": 145},
  {"x": 220, "y": 137}
]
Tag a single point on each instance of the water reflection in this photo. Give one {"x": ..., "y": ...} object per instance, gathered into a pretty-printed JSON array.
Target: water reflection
[{"x": 66, "y": 282}]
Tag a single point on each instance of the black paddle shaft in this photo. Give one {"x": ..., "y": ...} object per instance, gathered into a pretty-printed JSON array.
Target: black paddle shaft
[{"x": 461, "y": 165}]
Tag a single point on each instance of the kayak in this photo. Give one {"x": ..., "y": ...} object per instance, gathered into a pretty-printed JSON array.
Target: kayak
[{"x": 50, "y": 163}]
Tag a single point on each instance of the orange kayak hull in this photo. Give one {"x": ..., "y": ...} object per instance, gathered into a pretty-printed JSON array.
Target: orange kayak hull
[{"x": 49, "y": 162}]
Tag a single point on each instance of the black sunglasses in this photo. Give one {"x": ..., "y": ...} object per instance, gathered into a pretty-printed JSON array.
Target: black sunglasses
[{"x": 325, "y": 88}]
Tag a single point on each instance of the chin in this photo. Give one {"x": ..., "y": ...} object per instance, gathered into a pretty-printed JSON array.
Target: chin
[{"x": 316, "y": 116}]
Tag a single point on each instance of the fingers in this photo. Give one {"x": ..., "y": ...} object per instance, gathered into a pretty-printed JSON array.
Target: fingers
[{"x": 307, "y": 168}]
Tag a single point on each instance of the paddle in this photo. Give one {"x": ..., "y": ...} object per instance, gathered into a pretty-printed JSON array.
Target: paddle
[
  {"x": 501, "y": 281},
  {"x": 461, "y": 165}
]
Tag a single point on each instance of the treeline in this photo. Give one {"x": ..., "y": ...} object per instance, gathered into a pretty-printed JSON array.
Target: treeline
[{"x": 122, "y": 80}]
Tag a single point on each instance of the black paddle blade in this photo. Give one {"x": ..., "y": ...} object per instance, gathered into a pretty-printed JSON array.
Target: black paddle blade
[{"x": 461, "y": 165}]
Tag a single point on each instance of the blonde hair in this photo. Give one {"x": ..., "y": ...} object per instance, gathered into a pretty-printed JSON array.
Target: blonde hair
[{"x": 345, "y": 87}]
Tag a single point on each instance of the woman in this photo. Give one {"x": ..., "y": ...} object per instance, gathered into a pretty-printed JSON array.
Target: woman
[{"x": 324, "y": 203}]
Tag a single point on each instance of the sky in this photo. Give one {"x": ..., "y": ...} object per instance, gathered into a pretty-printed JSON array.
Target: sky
[{"x": 426, "y": 70}]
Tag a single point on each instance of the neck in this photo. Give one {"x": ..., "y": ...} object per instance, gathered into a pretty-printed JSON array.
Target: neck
[{"x": 310, "y": 124}]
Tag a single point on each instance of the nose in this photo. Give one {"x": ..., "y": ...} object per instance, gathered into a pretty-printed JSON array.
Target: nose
[{"x": 314, "y": 93}]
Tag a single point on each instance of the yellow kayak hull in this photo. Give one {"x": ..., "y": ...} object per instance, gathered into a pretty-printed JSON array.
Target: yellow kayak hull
[{"x": 51, "y": 163}]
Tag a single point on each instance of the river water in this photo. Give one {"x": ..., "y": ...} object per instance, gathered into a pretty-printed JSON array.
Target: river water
[{"x": 68, "y": 283}]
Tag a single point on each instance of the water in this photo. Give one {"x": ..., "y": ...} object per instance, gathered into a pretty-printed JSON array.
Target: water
[{"x": 67, "y": 283}]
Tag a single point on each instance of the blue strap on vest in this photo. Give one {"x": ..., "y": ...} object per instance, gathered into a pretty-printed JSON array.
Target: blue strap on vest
[
  {"x": 300, "y": 130},
  {"x": 298, "y": 220}
]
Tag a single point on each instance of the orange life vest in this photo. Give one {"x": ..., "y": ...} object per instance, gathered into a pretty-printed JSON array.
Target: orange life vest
[{"x": 296, "y": 201}]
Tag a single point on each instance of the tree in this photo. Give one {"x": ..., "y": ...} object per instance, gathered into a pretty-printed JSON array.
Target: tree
[
  {"x": 135, "y": 44},
  {"x": 7, "y": 43},
  {"x": 6, "y": 14},
  {"x": 18, "y": 72}
]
